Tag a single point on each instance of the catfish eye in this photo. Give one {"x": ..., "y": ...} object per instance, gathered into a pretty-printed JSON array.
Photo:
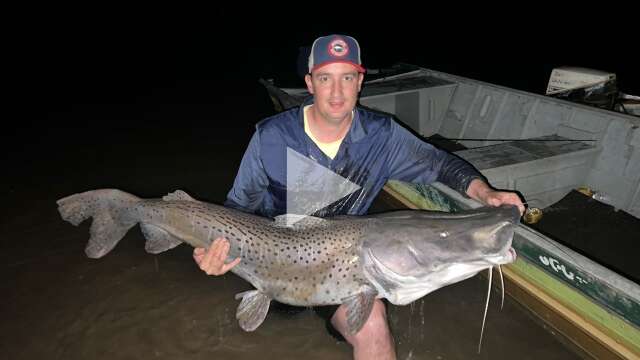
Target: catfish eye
[{"x": 444, "y": 234}]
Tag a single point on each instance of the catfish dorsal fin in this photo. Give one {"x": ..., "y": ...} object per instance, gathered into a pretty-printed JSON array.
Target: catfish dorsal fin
[{"x": 178, "y": 195}]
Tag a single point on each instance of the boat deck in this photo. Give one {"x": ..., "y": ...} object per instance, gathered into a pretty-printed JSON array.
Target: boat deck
[
  {"x": 517, "y": 152},
  {"x": 596, "y": 231}
]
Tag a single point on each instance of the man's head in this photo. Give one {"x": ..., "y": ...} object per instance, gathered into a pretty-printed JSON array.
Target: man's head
[{"x": 335, "y": 76}]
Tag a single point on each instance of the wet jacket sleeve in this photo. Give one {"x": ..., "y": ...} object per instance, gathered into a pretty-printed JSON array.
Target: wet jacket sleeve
[
  {"x": 413, "y": 160},
  {"x": 250, "y": 185}
]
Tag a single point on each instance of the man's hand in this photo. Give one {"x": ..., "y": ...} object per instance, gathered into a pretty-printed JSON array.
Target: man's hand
[
  {"x": 212, "y": 260},
  {"x": 480, "y": 191}
]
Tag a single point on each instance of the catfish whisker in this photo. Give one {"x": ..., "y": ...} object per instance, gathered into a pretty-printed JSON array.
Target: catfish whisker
[
  {"x": 501, "y": 286},
  {"x": 486, "y": 307}
]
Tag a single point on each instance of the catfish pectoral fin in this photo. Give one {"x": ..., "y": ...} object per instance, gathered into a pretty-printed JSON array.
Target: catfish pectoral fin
[
  {"x": 252, "y": 309},
  {"x": 359, "y": 308}
]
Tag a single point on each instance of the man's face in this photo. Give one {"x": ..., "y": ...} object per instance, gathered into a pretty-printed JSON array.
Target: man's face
[{"x": 335, "y": 88}]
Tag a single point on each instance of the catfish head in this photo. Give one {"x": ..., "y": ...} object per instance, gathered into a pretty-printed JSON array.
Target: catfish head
[{"x": 408, "y": 254}]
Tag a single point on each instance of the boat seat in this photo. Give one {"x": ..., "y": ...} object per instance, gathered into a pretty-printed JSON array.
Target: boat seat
[{"x": 542, "y": 169}]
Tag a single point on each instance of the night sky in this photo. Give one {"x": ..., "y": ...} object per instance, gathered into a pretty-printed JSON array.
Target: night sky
[{"x": 113, "y": 63}]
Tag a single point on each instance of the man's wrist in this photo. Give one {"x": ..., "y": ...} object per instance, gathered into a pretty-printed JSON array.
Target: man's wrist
[{"x": 478, "y": 189}]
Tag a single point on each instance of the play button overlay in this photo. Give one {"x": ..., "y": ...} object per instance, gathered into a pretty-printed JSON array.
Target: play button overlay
[{"x": 311, "y": 186}]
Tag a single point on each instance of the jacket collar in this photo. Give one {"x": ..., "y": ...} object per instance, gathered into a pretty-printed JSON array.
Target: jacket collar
[{"x": 356, "y": 132}]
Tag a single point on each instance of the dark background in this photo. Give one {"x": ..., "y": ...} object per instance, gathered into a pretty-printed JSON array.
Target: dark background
[{"x": 95, "y": 68}]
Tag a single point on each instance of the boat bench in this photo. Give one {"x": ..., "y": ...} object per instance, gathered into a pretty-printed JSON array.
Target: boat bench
[{"x": 542, "y": 169}]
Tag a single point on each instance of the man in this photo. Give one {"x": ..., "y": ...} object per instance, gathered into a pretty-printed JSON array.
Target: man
[{"x": 365, "y": 147}]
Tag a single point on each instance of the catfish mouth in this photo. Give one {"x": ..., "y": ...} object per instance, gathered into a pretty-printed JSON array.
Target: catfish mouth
[
  {"x": 402, "y": 289},
  {"x": 503, "y": 257}
]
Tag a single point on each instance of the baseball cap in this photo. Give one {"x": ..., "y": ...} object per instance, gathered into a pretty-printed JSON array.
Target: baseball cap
[{"x": 334, "y": 49}]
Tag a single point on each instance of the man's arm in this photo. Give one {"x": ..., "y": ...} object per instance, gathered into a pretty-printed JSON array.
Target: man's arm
[
  {"x": 417, "y": 161},
  {"x": 246, "y": 195},
  {"x": 250, "y": 184},
  {"x": 413, "y": 160}
]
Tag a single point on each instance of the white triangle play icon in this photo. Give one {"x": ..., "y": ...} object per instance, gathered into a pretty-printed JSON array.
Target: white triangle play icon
[{"x": 311, "y": 186}]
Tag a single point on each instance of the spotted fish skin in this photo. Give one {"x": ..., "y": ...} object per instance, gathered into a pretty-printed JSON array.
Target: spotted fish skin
[{"x": 318, "y": 264}]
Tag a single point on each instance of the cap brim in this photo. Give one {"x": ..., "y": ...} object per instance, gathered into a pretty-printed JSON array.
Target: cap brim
[{"x": 358, "y": 67}]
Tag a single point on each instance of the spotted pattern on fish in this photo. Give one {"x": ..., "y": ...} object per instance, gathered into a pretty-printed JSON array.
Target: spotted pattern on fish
[
  {"x": 344, "y": 260},
  {"x": 316, "y": 265}
]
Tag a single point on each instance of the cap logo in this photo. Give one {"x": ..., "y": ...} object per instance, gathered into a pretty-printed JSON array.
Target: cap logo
[{"x": 338, "y": 48}]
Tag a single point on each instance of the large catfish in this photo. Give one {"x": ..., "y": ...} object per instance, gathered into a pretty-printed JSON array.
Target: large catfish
[{"x": 350, "y": 260}]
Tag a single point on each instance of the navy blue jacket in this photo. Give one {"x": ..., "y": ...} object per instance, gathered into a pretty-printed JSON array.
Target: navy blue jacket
[{"x": 375, "y": 149}]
